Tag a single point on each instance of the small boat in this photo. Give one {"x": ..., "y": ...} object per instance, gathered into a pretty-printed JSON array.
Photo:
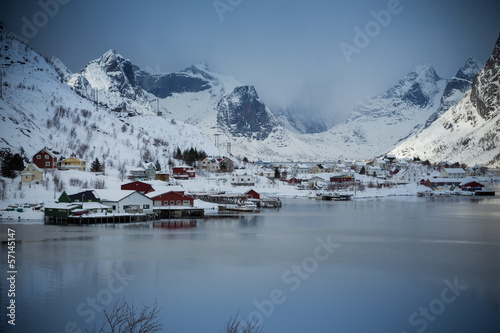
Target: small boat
[
  {"x": 427, "y": 193},
  {"x": 465, "y": 193},
  {"x": 239, "y": 207}
]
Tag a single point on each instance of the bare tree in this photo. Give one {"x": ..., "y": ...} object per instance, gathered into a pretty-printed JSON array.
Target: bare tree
[
  {"x": 126, "y": 318},
  {"x": 236, "y": 324}
]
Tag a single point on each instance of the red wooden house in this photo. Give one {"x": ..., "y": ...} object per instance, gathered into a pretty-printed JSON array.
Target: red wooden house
[
  {"x": 252, "y": 194},
  {"x": 45, "y": 159},
  {"x": 172, "y": 198},
  {"x": 183, "y": 172},
  {"x": 341, "y": 179},
  {"x": 138, "y": 186}
]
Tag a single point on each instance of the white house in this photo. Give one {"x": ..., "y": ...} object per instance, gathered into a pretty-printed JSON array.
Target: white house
[
  {"x": 211, "y": 164},
  {"x": 408, "y": 176},
  {"x": 242, "y": 177},
  {"x": 300, "y": 168},
  {"x": 125, "y": 201},
  {"x": 145, "y": 170},
  {"x": 372, "y": 170},
  {"x": 452, "y": 173}
]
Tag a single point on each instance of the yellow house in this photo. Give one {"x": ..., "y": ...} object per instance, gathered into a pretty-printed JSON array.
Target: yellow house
[
  {"x": 31, "y": 173},
  {"x": 73, "y": 163}
]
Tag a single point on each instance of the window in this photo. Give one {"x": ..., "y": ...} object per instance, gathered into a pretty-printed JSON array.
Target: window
[
  {"x": 38, "y": 157},
  {"x": 186, "y": 202},
  {"x": 145, "y": 206},
  {"x": 172, "y": 202},
  {"x": 46, "y": 157},
  {"x": 47, "y": 164},
  {"x": 114, "y": 207},
  {"x": 178, "y": 202},
  {"x": 165, "y": 203}
]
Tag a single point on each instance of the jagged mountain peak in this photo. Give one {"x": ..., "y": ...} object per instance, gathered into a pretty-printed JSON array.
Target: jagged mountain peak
[
  {"x": 243, "y": 114},
  {"x": 469, "y": 70},
  {"x": 418, "y": 87},
  {"x": 485, "y": 93},
  {"x": 467, "y": 131},
  {"x": 456, "y": 88}
]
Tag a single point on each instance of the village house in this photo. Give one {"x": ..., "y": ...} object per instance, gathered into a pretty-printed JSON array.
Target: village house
[
  {"x": 60, "y": 210},
  {"x": 452, "y": 173},
  {"x": 171, "y": 198},
  {"x": 407, "y": 176},
  {"x": 210, "y": 164},
  {"x": 145, "y": 170},
  {"x": 373, "y": 170},
  {"x": 73, "y": 163},
  {"x": 318, "y": 168},
  {"x": 266, "y": 172},
  {"x": 242, "y": 177},
  {"x": 45, "y": 159},
  {"x": 299, "y": 168},
  {"x": 358, "y": 166},
  {"x": 316, "y": 182},
  {"x": 138, "y": 186},
  {"x": 252, "y": 194},
  {"x": 441, "y": 182},
  {"x": 471, "y": 186},
  {"x": 338, "y": 167},
  {"x": 183, "y": 172},
  {"x": 125, "y": 201},
  {"x": 227, "y": 165},
  {"x": 31, "y": 174},
  {"x": 81, "y": 196},
  {"x": 341, "y": 179},
  {"x": 381, "y": 163}
]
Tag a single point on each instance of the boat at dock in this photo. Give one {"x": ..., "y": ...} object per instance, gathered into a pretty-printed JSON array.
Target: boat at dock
[{"x": 239, "y": 207}]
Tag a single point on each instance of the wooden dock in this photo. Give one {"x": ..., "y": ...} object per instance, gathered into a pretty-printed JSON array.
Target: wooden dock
[{"x": 98, "y": 219}]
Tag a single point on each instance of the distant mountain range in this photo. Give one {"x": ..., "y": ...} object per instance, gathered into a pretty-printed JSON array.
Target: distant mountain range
[{"x": 215, "y": 109}]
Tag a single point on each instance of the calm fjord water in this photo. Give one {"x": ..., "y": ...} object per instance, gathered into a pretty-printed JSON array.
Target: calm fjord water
[{"x": 380, "y": 265}]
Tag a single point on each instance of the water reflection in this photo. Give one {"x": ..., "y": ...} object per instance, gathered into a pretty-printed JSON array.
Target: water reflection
[{"x": 394, "y": 257}]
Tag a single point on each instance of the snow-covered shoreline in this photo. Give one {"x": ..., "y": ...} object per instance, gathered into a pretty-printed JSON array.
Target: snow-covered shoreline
[{"x": 27, "y": 197}]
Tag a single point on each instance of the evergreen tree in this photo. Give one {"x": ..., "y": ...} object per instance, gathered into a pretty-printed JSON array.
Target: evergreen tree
[
  {"x": 362, "y": 171},
  {"x": 11, "y": 164},
  {"x": 277, "y": 173},
  {"x": 96, "y": 166}
]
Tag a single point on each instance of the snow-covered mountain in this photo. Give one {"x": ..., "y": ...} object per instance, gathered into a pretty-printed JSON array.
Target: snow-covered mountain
[
  {"x": 111, "y": 81},
  {"x": 39, "y": 109},
  {"x": 468, "y": 132},
  {"x": 456, "y": 88},
  {"x": 114, "y": 109},
  {"x": 378, "y": 123}
]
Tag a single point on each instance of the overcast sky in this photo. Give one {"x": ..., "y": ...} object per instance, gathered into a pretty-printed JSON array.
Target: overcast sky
[{"x": 326, "y": 55}]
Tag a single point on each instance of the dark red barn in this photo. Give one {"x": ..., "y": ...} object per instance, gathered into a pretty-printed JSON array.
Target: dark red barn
[
  {"x": 138, "y": 186},
  {"x": 253, "y": 195}
]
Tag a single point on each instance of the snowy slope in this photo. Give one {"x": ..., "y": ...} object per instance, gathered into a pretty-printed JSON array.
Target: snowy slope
[
  {"x": 468, "y": 132},
  {"x": 456, "y": 88},
  {"x": 38, "y": 109},
  {"x": 378, "y": 123}
]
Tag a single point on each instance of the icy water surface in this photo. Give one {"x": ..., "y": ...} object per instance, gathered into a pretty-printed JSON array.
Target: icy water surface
[{"x": 379, "y": 265}]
